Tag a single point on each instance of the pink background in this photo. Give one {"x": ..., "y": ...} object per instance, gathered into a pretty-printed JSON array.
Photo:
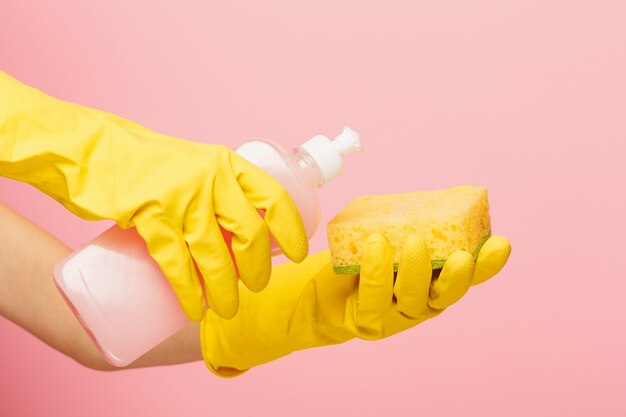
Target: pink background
[{"x": 527, "y": 97}]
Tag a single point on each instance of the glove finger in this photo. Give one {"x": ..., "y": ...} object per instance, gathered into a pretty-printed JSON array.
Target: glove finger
[
  {"x": 414, "y": 276},
  {"x": 375, "y": 295},
  {"x": 250, "y": 238},
  {"x": 491, "y": 258},
  {"x": 453, "y": 282},
  {"x": 281, "y": 215},
  {"x": 209, "y": 250},
  {"x": 169, "y": 249}
]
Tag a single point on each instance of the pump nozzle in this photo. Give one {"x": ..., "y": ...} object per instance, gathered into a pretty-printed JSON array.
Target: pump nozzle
[
  {"x": 328, "y": 154},
  {"x": 347, "y": 141}
]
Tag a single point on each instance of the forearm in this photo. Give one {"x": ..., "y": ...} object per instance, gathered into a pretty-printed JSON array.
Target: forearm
[
  {"x": 52, "y": 144},
  {"x": 29, "y": 298}
]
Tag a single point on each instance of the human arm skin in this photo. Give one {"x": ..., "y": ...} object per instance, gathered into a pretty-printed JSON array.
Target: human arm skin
[{"x": 29, "y": 298}]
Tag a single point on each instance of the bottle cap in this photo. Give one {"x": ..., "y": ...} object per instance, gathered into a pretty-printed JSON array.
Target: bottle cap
[{"x": 328, "y": 154}]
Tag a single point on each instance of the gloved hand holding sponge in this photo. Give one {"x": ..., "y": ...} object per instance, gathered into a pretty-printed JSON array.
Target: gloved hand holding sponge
[{"x": 430, "y": 238}]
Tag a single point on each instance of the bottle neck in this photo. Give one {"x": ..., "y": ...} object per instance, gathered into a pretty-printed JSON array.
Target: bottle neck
[{"x": 310, "y": 171}]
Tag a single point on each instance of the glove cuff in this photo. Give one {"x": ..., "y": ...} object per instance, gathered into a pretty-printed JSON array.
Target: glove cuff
[{"x": 223, "y": 371}]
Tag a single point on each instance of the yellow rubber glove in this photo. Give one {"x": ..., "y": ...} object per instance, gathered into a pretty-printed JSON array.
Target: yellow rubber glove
[
  {"x": 307, "y": 305},
  {"x": 176, "y": 193}
]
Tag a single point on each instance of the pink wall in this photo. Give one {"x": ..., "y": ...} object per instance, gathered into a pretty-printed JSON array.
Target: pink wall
[{"x": 526, "y": 97}]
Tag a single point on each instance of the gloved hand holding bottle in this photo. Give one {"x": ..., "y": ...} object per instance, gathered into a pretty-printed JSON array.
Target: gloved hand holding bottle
[
  {"x": 177, "y": 193},
  {"x": 307, "y": 305}
]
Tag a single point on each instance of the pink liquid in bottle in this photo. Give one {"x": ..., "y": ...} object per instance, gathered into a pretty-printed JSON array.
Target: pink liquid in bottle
[{"x": 119, "y": 293}]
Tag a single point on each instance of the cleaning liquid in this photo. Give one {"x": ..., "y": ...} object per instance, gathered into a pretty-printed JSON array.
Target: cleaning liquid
[{"x": 118, "y": 292}]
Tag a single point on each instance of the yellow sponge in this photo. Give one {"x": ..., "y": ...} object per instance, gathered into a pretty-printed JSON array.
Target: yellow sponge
[{"x": 451, "y": 219}]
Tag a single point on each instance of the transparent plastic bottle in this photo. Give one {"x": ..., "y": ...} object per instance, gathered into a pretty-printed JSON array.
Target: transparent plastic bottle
[{"x": 119, "y": 293}]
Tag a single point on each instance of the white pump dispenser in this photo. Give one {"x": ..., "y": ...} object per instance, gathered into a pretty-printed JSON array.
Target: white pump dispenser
[
  {"x": 328, "y": 154},
  {"x": 120, "y": 295}
]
